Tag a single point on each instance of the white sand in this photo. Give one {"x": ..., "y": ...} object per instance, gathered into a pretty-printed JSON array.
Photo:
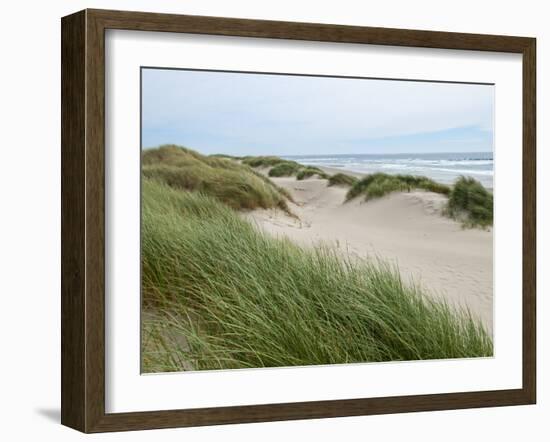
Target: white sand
[{"x": 405, "y": 228}]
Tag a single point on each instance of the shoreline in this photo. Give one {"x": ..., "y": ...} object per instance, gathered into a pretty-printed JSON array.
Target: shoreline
[
  {"x": 405, "y": 228},
  {"x": 359, "y": 175}
]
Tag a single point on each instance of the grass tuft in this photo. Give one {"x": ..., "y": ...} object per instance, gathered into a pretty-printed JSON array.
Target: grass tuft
[
  {"x": 278, "y": 166},
  {"x": 262, "y": 161},
  {"x": 287, "y": 168},
  {"x": 223, "y": 155},
  {"x": 220, "y": 294},
  {"x": 232, "y": 183},
  {"x": 470, "y": 202},
  {"x": 377, "y": 185},
  {"x": 309, "y": 171},
  {"x": 342, "y": 179},
  {"x": 283, "y": 168}
]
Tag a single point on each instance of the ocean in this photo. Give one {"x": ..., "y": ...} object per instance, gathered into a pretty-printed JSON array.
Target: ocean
[{"x": 441, "y": 167}]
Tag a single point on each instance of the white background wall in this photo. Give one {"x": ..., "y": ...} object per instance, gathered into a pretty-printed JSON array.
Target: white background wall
[{"x": 30, "y": 216}]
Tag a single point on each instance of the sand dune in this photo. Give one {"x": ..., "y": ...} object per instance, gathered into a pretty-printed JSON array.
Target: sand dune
[{"x": 406, "y": 229}]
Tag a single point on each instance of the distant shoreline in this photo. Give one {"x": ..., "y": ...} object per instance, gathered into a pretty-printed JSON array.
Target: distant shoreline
[
  {"x": 359, "y": 175},
  {"x": 444, "y": 167}
]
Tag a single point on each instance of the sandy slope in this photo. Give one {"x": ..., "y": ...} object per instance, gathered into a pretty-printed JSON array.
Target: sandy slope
[{"x": 405, "y": 228}]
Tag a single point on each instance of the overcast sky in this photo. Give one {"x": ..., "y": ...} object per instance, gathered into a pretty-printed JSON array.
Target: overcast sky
[{"x": 259, "y": 114}]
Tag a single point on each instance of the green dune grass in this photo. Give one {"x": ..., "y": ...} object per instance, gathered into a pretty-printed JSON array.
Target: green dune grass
[
  {"x": 470, "y": 202},
  {"x": 377, "y": 185},
  {"x": 280, "y": 167},
  {"x": 223, "y": 155},
  {"x": 219, "y": 294},
  {"x": 232, "y": 183},
  {"x": 342, "y": 179},
  {"x": 262, "y": 161},
  {"x": 309, "y": 171},
  {"x": 286, "y": 168}
]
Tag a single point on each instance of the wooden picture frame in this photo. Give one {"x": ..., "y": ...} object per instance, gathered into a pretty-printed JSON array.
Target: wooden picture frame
[{"x": 83, "y": 220}]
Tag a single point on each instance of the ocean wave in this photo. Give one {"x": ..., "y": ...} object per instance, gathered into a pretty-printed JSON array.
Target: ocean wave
[
  {"x": 466, "y": 171},
  {"x": 480, "y": 162},
  {"x": 445, "y": 168},
  {"x": 428, "y": 164},
  {"x": 356, "y": 161}
]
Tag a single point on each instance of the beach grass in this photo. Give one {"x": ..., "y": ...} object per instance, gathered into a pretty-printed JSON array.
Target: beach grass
[
  {"x": 308, "y": 172},
  {"x": 262, "y": 161},
  {"x": 223, "y": 155},
  {"x": 219, "y": 294},
  {"x": 342, "y": 179},
  {"x": 280, "y": 167},
  {"x": 285, "y": 168},
  {"x": 233, "y": 183},
  {"x": 471, "y": 203},
  {"x": 377, "y": 185}
]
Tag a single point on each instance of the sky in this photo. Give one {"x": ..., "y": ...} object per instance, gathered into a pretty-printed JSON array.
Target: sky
[{"x": 262, "y": 114}]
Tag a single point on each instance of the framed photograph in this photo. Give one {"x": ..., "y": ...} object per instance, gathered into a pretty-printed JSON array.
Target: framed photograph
[{"x": 268, "y": 220}]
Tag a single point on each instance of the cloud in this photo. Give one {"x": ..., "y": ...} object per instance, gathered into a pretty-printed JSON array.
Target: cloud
[{"x": 279, "y": 114}]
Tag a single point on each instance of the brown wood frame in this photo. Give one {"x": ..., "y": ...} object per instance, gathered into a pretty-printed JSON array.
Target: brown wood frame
[{"x": 83, "y": 216}]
